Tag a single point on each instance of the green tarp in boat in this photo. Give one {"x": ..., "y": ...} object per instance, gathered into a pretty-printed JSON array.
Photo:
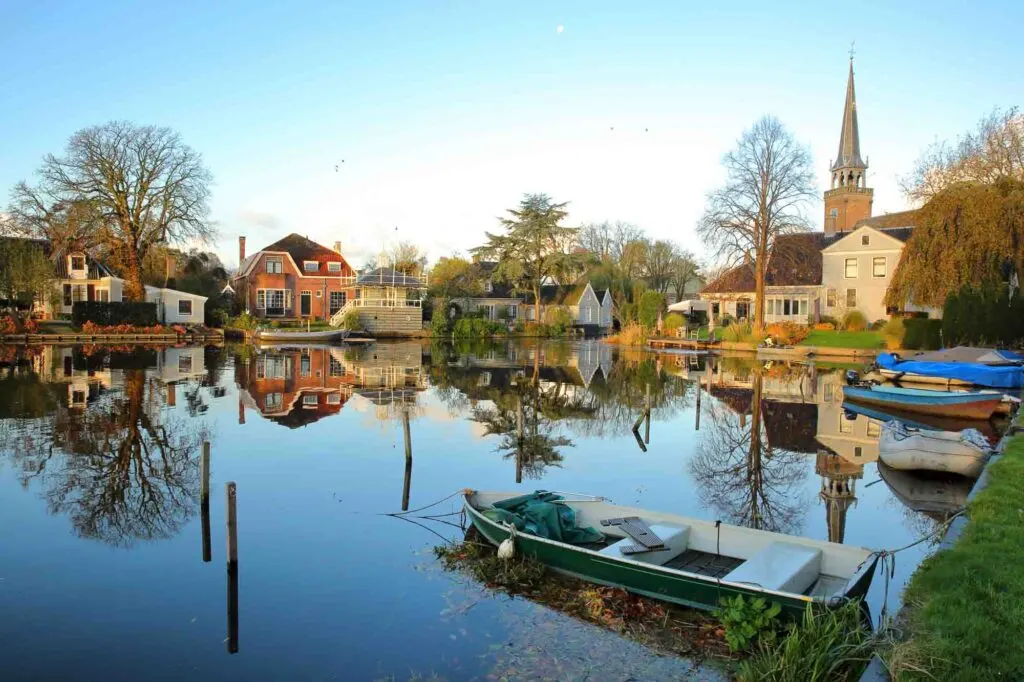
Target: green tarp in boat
[{"x": 538, "y": 515}]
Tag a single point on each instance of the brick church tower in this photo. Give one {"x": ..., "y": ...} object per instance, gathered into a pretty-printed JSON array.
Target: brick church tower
[{"x": 849, "y": 199}]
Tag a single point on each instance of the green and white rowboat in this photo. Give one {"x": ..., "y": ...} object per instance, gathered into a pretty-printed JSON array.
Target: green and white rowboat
[{"x": 700, "y": 562}]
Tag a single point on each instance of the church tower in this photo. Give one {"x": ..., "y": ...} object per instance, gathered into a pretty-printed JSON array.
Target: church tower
[{"x": 849, "y": 198}]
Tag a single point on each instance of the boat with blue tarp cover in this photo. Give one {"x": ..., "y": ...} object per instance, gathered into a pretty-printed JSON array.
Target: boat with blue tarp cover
[
  {"x": 957, "y": 366},
  {"x": 673, "y": 558}
]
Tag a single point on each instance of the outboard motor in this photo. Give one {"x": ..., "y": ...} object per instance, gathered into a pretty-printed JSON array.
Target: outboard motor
[{"x": 852, "y": 377}]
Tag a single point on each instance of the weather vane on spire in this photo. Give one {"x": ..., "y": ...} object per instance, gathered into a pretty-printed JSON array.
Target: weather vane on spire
[{"x": 852, "y": 52}]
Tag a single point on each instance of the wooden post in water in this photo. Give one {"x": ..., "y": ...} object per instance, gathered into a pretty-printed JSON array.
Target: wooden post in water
[
  {"x": 204, "y": 499},
  {"x": 407, "y": 484},
  {"x": 232, "y": 523},
  {"x": 699, "y": 391},
  {"x": 647, "y": 415},
  {"x": 520, "y": 429}
]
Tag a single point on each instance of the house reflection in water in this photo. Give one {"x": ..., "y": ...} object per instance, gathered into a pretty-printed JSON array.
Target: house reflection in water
[
  {"x": 296, "y": 385},
  {"x": 801, "y": 409}
]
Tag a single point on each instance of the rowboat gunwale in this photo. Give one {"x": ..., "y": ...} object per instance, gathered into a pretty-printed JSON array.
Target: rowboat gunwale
[
  {"x": 856, "y": 585},
  {"x": 963, "y": 404}
]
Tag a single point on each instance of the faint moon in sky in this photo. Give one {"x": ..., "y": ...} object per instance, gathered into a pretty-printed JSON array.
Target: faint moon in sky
[{"x": 559, "y": 29}]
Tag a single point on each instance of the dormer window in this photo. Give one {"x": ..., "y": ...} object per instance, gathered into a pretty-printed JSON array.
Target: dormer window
[
  {"x": 78, "y": 263},
  {"x": 310, "y": 265},
  {"x": 333, "y": 266}
]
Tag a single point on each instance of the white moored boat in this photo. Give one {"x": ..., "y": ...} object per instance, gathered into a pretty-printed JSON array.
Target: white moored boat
[{"x": 909, "y": 449}]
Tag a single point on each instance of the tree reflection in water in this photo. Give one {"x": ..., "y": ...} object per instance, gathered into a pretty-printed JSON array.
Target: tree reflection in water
[
  {"x": 741, "y": 475},
  {"x": 122, "y": 470}
]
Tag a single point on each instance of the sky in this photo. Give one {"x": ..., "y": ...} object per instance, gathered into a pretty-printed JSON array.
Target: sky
[{"x": 439, "y": 116}]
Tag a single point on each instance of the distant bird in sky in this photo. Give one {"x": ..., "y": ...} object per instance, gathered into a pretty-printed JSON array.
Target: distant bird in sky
[
  {"x": 611, "y": 127},
  {"x": 336, "y": 166}
]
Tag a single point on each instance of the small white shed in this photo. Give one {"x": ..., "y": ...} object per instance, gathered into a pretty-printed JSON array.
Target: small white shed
[{"x": 177, "y": 307}]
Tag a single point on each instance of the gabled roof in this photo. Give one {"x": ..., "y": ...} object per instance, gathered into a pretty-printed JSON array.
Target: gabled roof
[
  {"x": 388, "y": 277},
  {"x": 300, "y": 249},
  {"x": 556, "y": 294},
  {"x": 499, "y": 289},
  {"x": 898, "y": 225},
  {"x": 899, "y": 234},
  {"x": 95, "y": 269},
  {"x": 795, "y": 261}
]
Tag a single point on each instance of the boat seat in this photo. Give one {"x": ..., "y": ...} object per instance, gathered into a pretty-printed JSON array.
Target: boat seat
[
  {"x": 780, "y": 566},
  {"x": 674, "y": 540}
]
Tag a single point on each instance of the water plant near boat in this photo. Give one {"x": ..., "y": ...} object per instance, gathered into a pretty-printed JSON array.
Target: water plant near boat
[{"x": 747, "y": 621}]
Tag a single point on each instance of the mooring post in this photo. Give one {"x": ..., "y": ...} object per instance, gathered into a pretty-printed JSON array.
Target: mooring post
[
  {"x": 520, "y": 430},
  {"x": 407, "y": 484},
  {"x": 647, "y": 415},
  {"x": 699, "y": 391},
  {"x": 232, "y": 522},
  {"x": 204, "y": 499}
]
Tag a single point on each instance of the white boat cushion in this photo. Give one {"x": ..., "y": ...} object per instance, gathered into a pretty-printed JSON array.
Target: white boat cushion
[
  {"x": 780, "y": 566},
  {"x": 675, "y": 538}
]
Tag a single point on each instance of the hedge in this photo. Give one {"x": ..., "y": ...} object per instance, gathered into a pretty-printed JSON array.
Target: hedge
[
  {"x": 135, "y": 313},
  {"x": 920, "y": 333},
  {"x": 983, "y": 317}
]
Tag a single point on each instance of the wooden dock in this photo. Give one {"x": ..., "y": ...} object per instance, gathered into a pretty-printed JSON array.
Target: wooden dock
[{"x": 681, "y": 344}]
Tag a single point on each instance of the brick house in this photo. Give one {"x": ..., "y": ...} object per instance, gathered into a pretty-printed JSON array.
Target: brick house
[{"x": 294, "y": 278}]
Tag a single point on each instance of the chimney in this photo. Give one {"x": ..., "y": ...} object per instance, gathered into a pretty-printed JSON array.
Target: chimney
[
  {"x": 241, "y": 250},
  {"x": 337, "y": 247}
]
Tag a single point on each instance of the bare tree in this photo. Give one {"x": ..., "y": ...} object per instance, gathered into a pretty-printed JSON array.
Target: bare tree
[
  {"x": 657, "y": 265},
  {"x": 770, "y": 180},
  {"x": 407, "y": 257},
  {"x": 995, "y": 150},
  {"x": 146, "y": 186},
  {"x": 684, "y": 271}
]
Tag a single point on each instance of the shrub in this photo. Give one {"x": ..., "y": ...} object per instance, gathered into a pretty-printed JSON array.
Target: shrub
[
  {"x": 742, "y": 332},
  {"x": 893, "y": 332},
  {"x": 651, "y": 303},
  {"x": 824, "y": 327},
  {"x": 725, "y": 320},
  {"x": 559, "y": 319},
  {"x": 134, "y": 313},
  {"x": 633, "y": 334},
  {"x": 350, "y": 320},
  {"x": 439, "y": 323},
  {"x": 673, "y": 321},
  {"x": 476, "y": 328},
  {"x": 922, "y": 334},
  {"x": 13, "y": 324},
  {"x": 828, "y": 319},
  {"x": 983, "y": 316},
  {"x": 747, "y": 620},
  {"x": 93, "y": 328},
  {"x": 787, "y": 333},
  {"x": 854, "y": 321}
]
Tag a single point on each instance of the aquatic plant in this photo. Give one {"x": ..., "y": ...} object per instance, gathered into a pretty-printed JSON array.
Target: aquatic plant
[
  {"x": 746, "y": 621},
  {"x": 827, "y": 644}
]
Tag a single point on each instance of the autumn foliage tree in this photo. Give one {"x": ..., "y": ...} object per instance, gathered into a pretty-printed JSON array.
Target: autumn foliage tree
[{"x": 137, "y": 186}]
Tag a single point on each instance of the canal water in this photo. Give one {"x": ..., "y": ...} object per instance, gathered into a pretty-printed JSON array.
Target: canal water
[{"x": 102, "y": 570}]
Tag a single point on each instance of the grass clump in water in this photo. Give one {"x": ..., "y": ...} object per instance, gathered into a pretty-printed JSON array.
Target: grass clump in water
[{"x": 827, "y": 644}]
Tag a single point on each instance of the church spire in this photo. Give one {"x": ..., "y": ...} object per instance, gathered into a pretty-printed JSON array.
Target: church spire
[{"x": 849, "y": 137}]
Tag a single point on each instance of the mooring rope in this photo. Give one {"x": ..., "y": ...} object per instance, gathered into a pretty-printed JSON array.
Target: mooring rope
[
  {"x": 887, "y": 562},
  {"x": 419, "y": 509}
]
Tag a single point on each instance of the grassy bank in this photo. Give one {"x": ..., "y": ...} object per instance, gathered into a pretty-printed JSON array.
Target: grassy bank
[
  {"x": 843, "y": 339},
  {"x": 964, "y": 618}
]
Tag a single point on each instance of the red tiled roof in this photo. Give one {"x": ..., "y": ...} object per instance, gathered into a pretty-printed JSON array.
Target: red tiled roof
[
  {"x": 303, "y": 249},
  {"x": 890, "y": 220}
]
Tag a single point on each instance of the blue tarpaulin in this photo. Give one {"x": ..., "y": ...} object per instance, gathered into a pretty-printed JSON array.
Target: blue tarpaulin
[{"x": 995, "y": 376}]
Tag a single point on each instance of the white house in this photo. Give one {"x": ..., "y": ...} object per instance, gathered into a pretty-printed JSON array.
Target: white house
[
  {"x": 607, "y": 308},
  {"x": 580, "y": 300},
  {"x": 177, "y": 307}
]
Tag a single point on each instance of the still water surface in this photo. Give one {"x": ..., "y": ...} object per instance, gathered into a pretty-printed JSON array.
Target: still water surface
[{"x": 101, "y": 537}]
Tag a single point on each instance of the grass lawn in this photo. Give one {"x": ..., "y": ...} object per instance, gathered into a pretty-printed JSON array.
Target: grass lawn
[
  {"x": 839, "y": 339},
  {"x": 965, "y": 613}
]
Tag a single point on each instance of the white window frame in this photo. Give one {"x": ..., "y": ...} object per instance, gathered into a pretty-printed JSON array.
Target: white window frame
[
  {"x": 803, "y": 307},
  {"x": 272, "y": 401},
  {"x": 71, "y": 263},
  {"x": 319, "y": 293},
  {"x": 184, "y": 363},
  {"x": 513, "y": 311},
  {"x": 188, "y": 302},
  {"x": 875, "y": 263},
  {"x": 831, "y": 297},
  {"x": 848, "y": 304},
  {"x": 846, "y": 268},
  {"x": 333, "y": 266},
  {"x": 261, "y": 299},
  {"x": 274, "y": 265},
  {"x": 305, "y": 366},
  {"x": 314, "y": 263},
  {"x": 771, "y": 306},
  {"x": 310, "y": 400},
  {"x": 334, "y": 399}
]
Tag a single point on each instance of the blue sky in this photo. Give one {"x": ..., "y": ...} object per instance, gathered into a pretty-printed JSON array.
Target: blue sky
[{"x": 446, "y": 113}]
